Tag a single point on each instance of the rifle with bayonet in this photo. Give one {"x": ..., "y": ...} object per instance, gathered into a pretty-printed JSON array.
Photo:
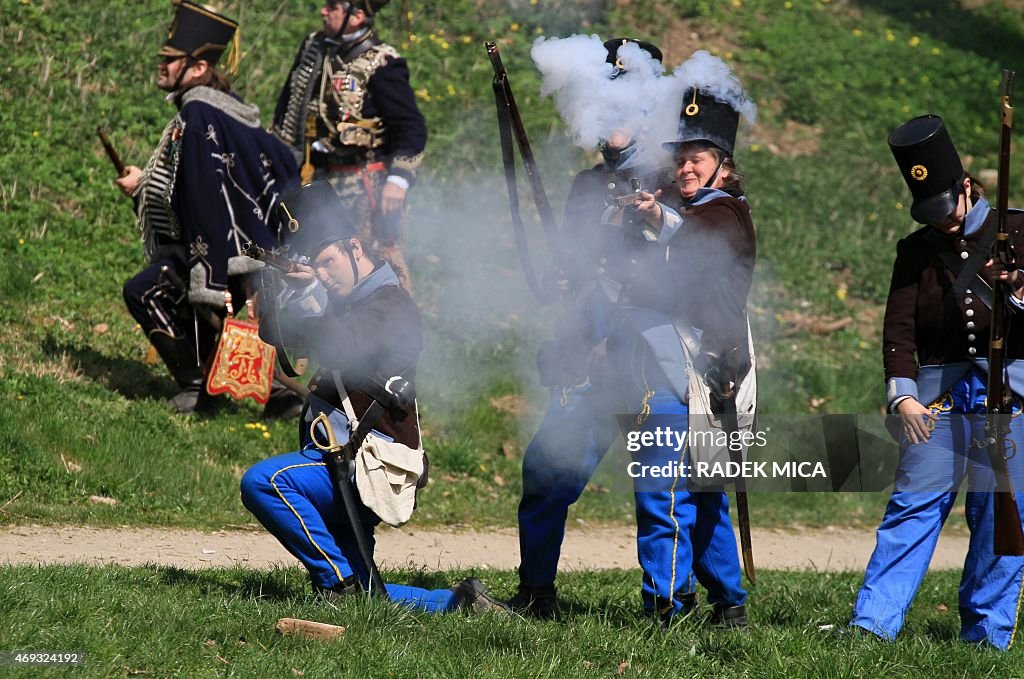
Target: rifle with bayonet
[
  {"x": 1008, "y": 535},
  {"x": 509, "y": 123},
  {"x": 115, "y": 159}
]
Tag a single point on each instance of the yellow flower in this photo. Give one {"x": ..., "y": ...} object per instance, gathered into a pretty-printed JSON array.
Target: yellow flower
[
  {"x": 737, "y": 3},
  {"x": 899, "y": 205},
  {"x": 863, "y": 345},
  {"x": 266, "y": 434},
  {"x": 890, "y": 36},
  {"x": 925, "y": 79},
  {"x": 857, "y": 32},
  {"x": 841, "y": 294},
  {"x": 787, "y": 4},
  {"x": 754, "y": 148},
  {"x": 936, "y": 51},
  {"x": 914, "y": 41},
  {"x": 465, "y": 39},
  {"x": 533, "y": 2},
  {"x": 873, "y": 216},
  {"x": 451, "y": 90},
  {"x": 423, "y": 93},
  {"x": 514, "y": 26},
  {"x": 35, "y": 133},
  {"x": 408, "y": 15},
  {"x": 905, "y": 108},
  {"x": 21, "y": 241},
  {"x": 728, "y": 55},
  {"x": 413, "y": 37}
]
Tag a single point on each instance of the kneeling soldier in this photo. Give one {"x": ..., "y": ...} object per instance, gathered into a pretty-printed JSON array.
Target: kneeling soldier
[{"x": 348, "y": 312}]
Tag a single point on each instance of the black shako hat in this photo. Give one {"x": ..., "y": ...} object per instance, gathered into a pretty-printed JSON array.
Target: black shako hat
[
  {"x": 613, "y": 46},
  {"x": 705, "y": 117},
  {"x": 313, "y": 217},
  {"x": 198, "y": 33},
  {"x": 930, "y": 165}
]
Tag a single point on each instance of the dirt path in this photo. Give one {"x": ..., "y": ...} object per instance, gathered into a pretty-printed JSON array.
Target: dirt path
[{"x": 584, "y": 548}]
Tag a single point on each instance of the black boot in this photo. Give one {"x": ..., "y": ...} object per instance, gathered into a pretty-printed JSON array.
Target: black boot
[
  {"x": 535, "y": 601},
  {"x": 180, "y": 357},
  {"x": 728, "y": 617},
  {"x": 348, "y": 587},
  {"x": 471, "y": 595}
]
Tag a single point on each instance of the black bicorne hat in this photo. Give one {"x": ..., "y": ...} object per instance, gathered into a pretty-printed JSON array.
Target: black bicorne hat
[
  {"x": 613, "y": 46},
  {"x": 198, "y": 33},
  {"x": 706, "y": 118},
  {"x": 313, "y": 217},
  {"x": 930, "y": 165}
]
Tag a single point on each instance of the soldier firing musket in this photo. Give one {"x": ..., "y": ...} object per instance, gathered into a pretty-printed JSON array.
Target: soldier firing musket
[{"x": 360, "y": 433}]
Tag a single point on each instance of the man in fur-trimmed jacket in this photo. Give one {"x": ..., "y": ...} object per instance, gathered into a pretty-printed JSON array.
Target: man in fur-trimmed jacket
[{"x": 206, "y": 191}]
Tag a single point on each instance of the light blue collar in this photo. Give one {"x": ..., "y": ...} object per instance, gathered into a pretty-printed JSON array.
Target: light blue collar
[
  {"x": 706, "y": 195},
  {"x": 976, "y": 217}
]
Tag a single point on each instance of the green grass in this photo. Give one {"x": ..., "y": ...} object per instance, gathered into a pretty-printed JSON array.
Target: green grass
[
  {"x": 156, "y": 621},
  {"x": 83, "y": 416}
]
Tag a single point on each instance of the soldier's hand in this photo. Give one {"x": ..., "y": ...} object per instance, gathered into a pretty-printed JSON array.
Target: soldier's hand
[
  {"x": 130, "y": 181},
  {"x": 649, "y": 208},
  {"x": 301, "y": 278},
  {"x": 392, "y": 198},
  {"x": 995, "y": 270},
  {"x": 917, "y": 420}
]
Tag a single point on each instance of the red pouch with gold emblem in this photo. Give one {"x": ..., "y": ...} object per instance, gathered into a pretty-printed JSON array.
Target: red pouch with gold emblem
[{"x": 243, "y": 365}]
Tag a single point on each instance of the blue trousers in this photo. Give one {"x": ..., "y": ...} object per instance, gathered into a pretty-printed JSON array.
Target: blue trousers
[
  {"x": 679, "y": 533},
  {"x": 928, "y": 478},
  {"x": 681, "y": 529},
  {"x": 293, "y": 496},
  {"x": 574, "y": 436}
]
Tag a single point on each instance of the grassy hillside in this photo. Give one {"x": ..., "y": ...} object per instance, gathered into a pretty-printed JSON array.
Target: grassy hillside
[{"x": 82, "y": 415}]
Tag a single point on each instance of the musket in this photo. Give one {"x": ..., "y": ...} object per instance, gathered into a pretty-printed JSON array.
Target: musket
[
  {"x": 111, "y": 152},
  {"x": 1007, "y": 532},
  {"x": 271, "y": 259},
  {"x": 629, "y": 199},
  {"x": 284, "y": 265},
  {"x": 509, "y": 123}
]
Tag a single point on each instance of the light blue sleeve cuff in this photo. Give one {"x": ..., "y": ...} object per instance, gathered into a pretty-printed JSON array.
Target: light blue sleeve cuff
[
  {"x": 307, "y": 303},
  {"x": 670, "y": 223},
  {"x": 899, "y": 388}
]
